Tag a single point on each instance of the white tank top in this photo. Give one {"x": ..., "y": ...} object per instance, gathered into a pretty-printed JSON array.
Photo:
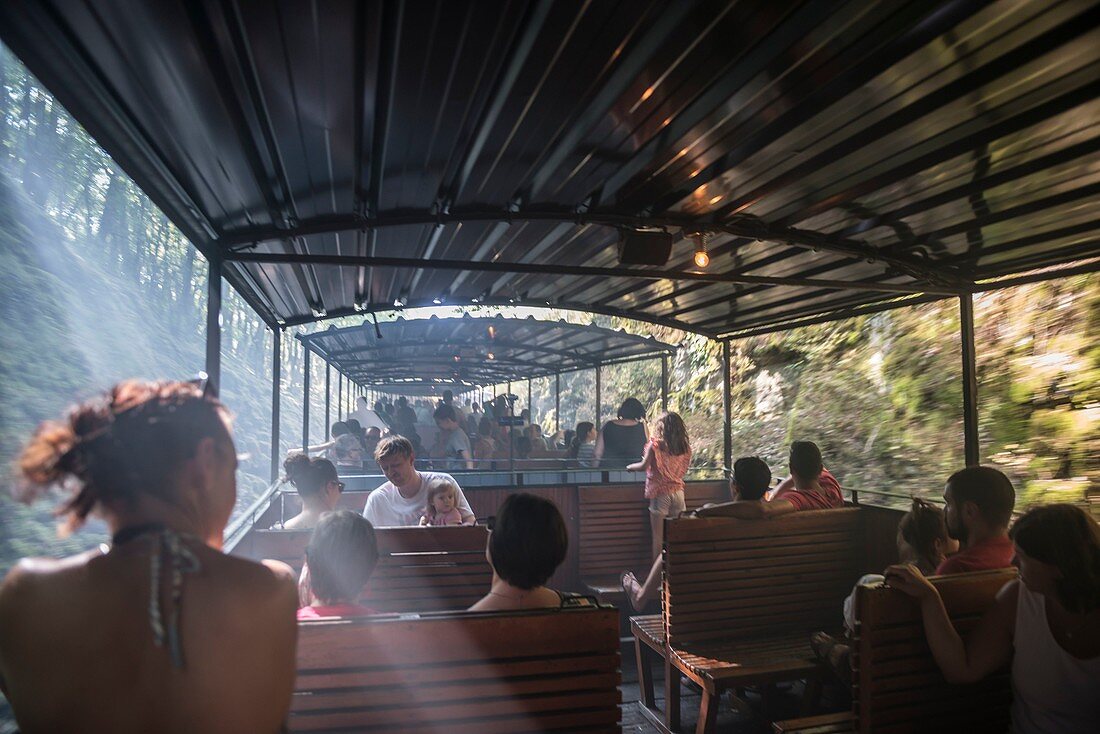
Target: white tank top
[{"x": 1053, "y": 692}]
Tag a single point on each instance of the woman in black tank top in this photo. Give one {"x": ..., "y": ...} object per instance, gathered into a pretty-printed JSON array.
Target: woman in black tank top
[{"x": 622, "y": 441}]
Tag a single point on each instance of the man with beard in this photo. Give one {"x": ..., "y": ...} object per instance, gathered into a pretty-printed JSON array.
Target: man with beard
[{"x": 979, "y": 502}]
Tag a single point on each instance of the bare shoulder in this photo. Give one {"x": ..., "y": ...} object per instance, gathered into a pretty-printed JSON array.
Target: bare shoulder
[
  {"x": 1010, "y": 592},
  {"x": 269, "y": 581},
  {"x": 30, "y": 573},
  {"x": 1004, "y": 607}
]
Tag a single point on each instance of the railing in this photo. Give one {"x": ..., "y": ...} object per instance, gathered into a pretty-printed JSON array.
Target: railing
[{"x": 244, "y": 522}]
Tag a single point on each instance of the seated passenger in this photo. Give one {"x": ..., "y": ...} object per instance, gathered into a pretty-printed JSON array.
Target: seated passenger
[
  {"x": 160, "y": 630},
  {"x": 809, "y": 487},
  {"x": 1047, "y": 624},
  {"x": 442, "y": 506},
  {"x": 402, "y": 499},
  {"x": 341, "y": 556},
  {"x": 979, "y": 502},
  {"x": 748, "y": 485},
  {"x": 345, "y": 450},
  {"x": 318, "y": 486},
  {"x": 527, "y": 543},
  {"x": 922, "y": 540},
  {"x": 583, "y": 446}
]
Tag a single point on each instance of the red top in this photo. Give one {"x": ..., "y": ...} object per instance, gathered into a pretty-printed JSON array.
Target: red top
[
  {"x": 811, "y": 499},
  {"x": 666, "y": 474},
  {"x": 335, "y": 610},
  {"x": 985, "y": 556}
]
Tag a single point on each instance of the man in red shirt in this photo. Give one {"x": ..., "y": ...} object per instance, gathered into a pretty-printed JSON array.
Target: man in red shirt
[
  {"x": 809, "y": 487},
  {"x": 979, "y": 505}
]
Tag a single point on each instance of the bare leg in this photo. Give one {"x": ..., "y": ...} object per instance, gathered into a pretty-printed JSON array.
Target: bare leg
[{"x": 657, "y": 527}]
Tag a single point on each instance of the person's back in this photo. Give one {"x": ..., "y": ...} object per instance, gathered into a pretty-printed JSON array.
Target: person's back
[
  {"x": 78, "y": 653},
  {"x": 622, "y": 444},
  {"x": 160, "y": 631}
]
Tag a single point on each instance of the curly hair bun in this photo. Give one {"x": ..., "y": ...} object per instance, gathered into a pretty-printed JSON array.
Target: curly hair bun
[{"x": 296, "y": 466}]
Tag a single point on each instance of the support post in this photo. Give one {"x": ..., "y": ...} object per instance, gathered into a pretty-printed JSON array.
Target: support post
[
  {"x": 557, "y": 402},
  {"x": 727, "y": 409},
  {"x": 214, "y": 321},
  {"x": 970, "y": 380},
  {"x": 530, "y": 408},
  {"x": 664, "y": 382},
  {"x": 328, "y": 400},
  {"x": 339, "y": 396},
  {"x": 305, "y": 400},
  {"x": 276, "y": 385},
  {"x": 511, "y": 438},
  {"x": 599, "y": 396}
]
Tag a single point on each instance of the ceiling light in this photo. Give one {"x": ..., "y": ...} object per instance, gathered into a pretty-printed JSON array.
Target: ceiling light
[
  {"x": 319, "y": 312},
  {"x": 437, "y": 301},
  {"x": 716, "y": 199},
  {"x": 492, "y": 356},
  {"x": 702, "y": 258}
]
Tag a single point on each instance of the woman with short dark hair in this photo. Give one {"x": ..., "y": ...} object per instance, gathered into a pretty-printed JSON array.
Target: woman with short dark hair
[
  {"x": 341, "y": 554},
  {"x": 160, "y": 630},
  {"x": 1047, "y": 624},
  {"x": 623, "y": 440},
  {"x": 527, "y": 543}
]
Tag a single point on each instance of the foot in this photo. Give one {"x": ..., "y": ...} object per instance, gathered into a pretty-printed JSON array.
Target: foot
[
  {"x": 633, "y": 591},
  {"x": 822, "y": 644}
]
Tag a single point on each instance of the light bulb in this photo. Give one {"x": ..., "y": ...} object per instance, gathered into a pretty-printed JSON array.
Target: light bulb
[{"x": 702, "y": 259}]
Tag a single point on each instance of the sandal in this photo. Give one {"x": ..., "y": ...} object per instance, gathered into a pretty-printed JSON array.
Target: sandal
[{"x": 630, "y": 587}]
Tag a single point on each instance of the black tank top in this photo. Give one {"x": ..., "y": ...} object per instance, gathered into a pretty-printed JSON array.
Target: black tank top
[{"x": 622, "y": 445}]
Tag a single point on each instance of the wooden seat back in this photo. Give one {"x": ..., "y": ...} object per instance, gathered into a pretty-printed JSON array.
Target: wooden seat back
[
  {"x": 419, "y": 569},
  {"x": 615, "y": 534},
  {"x": 898, "y": 686},
  {"x": 728, "y": 579},
  {"x": 546, "y": 670}
]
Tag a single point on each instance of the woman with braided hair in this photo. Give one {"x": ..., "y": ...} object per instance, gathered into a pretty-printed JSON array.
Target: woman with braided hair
[{"x": 160, "y": 630}]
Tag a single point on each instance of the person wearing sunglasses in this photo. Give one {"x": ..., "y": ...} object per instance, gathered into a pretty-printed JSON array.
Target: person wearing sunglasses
[
  {"x": 160, "y": 630},
  {"x": 318, "y": 485}
]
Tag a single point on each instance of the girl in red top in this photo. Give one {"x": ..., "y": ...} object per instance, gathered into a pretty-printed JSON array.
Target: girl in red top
[{"x": 665, "y": 462}]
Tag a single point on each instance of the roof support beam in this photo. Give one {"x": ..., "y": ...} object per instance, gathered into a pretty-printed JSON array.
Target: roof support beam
[{"x": 582, "y": 271}]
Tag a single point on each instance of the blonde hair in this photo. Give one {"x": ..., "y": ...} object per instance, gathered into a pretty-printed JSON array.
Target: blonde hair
[
  {"x": 671, "y": 433},
  {"x": 393, "y": 446},
  {"x": 436, "y": 487}
]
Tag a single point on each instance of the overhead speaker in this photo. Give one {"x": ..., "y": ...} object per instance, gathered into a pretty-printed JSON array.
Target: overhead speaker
[{"x": 644, "y": 247}]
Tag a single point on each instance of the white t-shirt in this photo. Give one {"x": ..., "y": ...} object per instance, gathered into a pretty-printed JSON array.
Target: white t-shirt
[{"x": 387, "y": 508}]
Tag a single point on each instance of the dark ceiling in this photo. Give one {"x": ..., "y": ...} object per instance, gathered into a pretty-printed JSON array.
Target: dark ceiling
[
  {"x": 467, "y": 352},
  {"x": 844, "y": 157}
]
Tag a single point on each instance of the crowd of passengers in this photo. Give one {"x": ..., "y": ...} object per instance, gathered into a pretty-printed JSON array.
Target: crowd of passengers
[
  {"x": 198, "y": 640},
  {"x": 472, "y": 436}
]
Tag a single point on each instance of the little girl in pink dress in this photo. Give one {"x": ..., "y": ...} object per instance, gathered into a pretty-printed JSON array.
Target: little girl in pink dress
[{"x": 442, "y": 508}]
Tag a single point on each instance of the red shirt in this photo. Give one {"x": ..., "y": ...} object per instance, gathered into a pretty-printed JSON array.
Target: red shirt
[
  {"x": 812, "y": 499},
  {"x": 335, "y": 610},
  {"x": 985, "y": 556}
]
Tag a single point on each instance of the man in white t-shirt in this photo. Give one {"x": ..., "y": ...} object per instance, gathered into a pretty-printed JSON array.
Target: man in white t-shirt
[{"x": 403, "y": 499}]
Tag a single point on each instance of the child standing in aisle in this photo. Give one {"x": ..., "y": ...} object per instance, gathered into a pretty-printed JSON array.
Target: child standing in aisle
[{"x": 665, "y": 462}]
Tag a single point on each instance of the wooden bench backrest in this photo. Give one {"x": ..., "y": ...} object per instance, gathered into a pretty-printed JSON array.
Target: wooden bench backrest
[
  {"x": 419, "y": 569},
  {"x": 735, "y": 579},
  {"x": 460, "y": 673},
  {"x": 614, "y": 527},
  {"x": 898, "y": 686}
]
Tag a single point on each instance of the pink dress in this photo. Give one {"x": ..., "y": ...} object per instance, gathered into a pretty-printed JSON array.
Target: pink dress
[
  {"x": 666, "y": 474},
  {"x": 454, "y": 517}
]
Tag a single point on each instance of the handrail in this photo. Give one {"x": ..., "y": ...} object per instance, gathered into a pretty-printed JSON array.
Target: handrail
[{"x": 244, "y": 522}]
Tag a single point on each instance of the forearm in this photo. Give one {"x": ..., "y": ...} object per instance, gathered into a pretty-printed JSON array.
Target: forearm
[{"x": 947, "y": 646}]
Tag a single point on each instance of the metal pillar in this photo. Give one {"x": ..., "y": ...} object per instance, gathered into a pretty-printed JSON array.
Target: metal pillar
[
  {"x": 305, "y": 401},
  {"x": 970, "y": 380},
  {"x": 530, "y": 408},
  {"x": 664, "y": 382},
  {"x": 727, "y": 409},
  {"x": 214, "y": 321},
  {"x": 511, "y": 439},
  {"x": 599, "y": 396},
  {"x": 328, "y": 400},
  {"x": 339, "y": 396},
  {"x": 557, "y": 402},
  {"x": 276, "y": 385}
]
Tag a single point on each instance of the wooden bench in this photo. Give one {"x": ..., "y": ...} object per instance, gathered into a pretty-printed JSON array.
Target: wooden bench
[
  {"x": 898, "y": 686},
  {"x": 419, "y": 569},
  {"x": 741, "y": 599},
  {"x": 615, "y": 535},
  {"x": 552, "y": 670}
]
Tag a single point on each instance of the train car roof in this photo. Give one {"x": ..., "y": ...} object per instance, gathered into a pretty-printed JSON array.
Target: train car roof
[{"x": 838, "y": 157}]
